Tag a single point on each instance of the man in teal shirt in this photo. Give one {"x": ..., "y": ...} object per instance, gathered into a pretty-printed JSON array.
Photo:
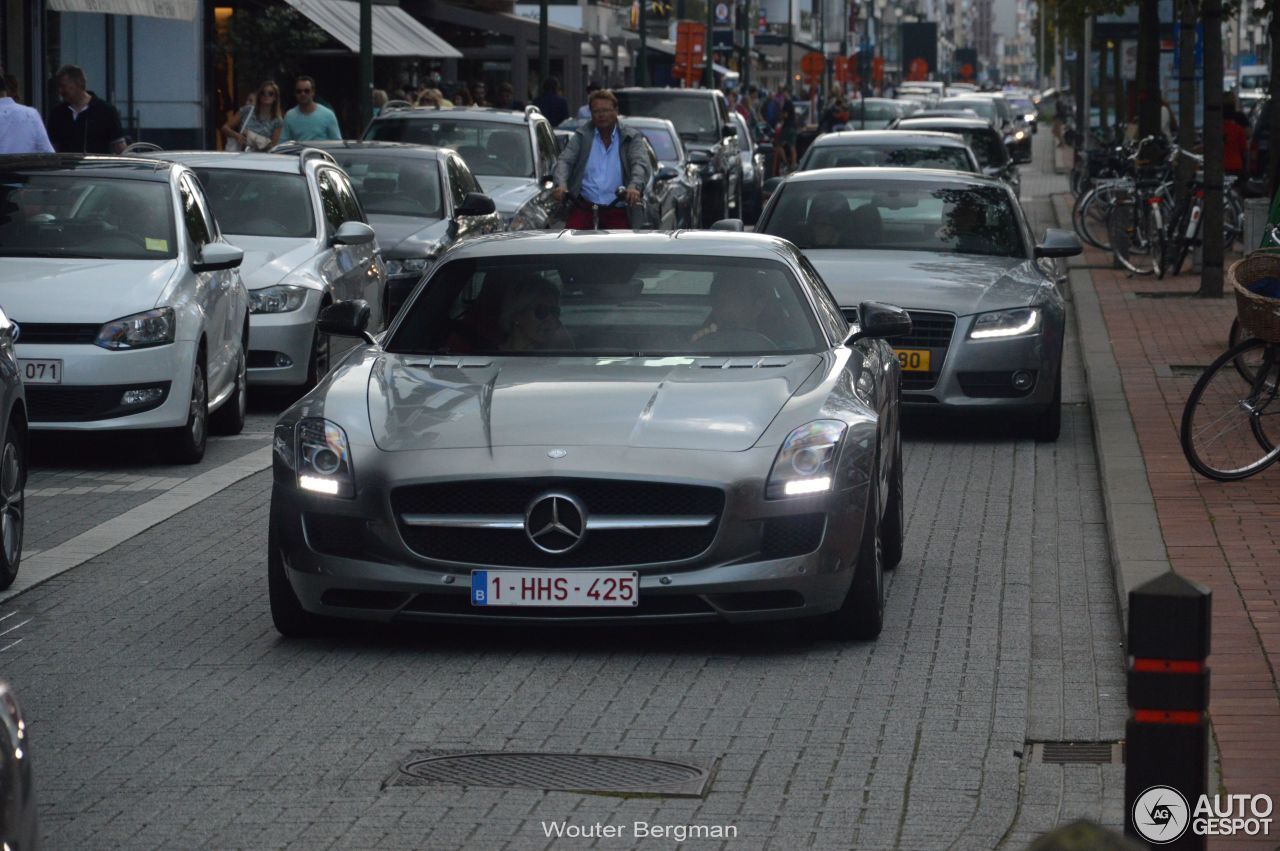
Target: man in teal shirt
[{"x": 309, "y": 121}]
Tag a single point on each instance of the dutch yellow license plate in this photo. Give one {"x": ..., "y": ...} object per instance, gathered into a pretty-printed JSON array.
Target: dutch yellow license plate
[{"x": 913, "y": 360}]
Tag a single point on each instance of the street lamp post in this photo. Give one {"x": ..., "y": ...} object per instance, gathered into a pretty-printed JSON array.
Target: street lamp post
[
  {"x": 642, "y": 61},
  {"x": 366, "y": 61},
  {"x": 708, "y": 73},
  {"x": 544, "y": 39}
]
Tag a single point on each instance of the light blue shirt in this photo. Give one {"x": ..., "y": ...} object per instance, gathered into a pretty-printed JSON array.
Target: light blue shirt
[
  {"x": 320, "y": 124},
  {"x": 21, "y": 130},
  {"x": 603, "y": 176}
]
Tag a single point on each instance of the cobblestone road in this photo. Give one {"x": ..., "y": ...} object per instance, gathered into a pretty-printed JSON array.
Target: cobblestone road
[{"x": 165, "y": 711}]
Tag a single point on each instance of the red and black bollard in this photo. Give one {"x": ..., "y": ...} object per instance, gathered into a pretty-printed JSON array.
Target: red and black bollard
[{"x": 1167, "y": 735}]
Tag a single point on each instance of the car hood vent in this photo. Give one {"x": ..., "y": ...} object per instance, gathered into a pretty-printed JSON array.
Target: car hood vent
[{"x": 745, "y": 363}]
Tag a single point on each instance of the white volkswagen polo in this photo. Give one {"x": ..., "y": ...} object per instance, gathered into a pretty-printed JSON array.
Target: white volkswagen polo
[{"x": 130, "y": 309}]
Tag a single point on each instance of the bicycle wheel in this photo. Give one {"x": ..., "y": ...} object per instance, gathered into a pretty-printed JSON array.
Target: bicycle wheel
[
  {"x": 1229, "y": 425},
  {"x": 1246, "y": 364},
  {"x": 1127, "y": 229},
  {"x": 1232, "y": 219},
  {"x": 1089, "y": 216}
]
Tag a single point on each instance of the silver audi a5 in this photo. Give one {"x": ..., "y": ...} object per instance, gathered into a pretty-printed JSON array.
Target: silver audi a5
[{"x": 597, "y": 427}]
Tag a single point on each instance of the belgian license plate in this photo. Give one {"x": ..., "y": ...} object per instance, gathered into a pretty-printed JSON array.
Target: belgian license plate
[
  {"x": 913, "y": 360},
  {"x": 40, "y": 371},
  {"x": 550, "y": 588}
]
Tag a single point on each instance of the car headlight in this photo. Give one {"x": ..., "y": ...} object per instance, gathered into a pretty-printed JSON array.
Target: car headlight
[
  {"x": 281, "y": 299},
  {"x": 1030, "y": 117},
  {"x": 323, "y": 458},
  {"x": 1019, "y": 136},
  {"x": 806, "y": 462},
  {"x": 152, "y": 328},
  {"x": 408, "y": 266},
  {"x": 1006, "y": 323},
  {"x": 528, "y": 217}
]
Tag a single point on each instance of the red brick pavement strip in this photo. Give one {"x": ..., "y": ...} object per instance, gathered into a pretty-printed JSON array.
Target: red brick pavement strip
[{"x": 1225, "y": 536}]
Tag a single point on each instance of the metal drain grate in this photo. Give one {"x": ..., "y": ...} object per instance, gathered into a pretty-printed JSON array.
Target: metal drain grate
[
  {"x": 564, "y": 772},
  {"x": 1075, "y": 753}
]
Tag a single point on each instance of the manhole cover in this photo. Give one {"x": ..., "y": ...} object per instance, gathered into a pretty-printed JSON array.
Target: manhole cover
[
  {"x": 1091, "y": 753},
  {"x": 564, "y": 772}
]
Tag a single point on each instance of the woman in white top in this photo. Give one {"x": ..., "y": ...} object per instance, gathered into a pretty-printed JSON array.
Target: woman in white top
[{"x": 257, "y": 126}]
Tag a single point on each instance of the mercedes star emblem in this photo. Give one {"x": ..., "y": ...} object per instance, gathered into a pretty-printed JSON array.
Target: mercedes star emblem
[{"x": 555, "y": 523}]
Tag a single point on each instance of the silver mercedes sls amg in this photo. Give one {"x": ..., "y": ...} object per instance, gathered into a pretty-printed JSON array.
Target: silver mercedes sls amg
[{"x": 597, "y": 427}]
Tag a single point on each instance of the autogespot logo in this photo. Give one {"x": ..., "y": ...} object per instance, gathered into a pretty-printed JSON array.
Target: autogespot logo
[{"x": 1160, "y": 814}]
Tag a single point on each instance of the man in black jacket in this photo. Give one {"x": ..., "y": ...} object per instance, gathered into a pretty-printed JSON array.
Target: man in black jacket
[{"x": 83, "y": 122}]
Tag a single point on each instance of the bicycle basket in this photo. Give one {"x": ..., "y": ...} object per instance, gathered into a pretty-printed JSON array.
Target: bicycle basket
[{"x": 1259, "y": 315}]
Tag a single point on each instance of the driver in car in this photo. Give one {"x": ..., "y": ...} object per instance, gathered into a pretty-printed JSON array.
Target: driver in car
[
  {"x": 530, "y": 316},
  {"x": 736, "y": 308},
  {"x": 965, "y": 227}
]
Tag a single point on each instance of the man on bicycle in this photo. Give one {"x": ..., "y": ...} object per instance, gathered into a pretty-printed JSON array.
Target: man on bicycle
[{"x": 600, "y": 158}]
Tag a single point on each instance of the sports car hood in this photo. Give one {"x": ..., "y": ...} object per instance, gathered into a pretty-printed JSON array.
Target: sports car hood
[
  {"x": 267, "y": 259},
  {"x": 659, "y": 403},
  {"x": 962, "y": 284},
  {"x": 408, "y": 236},
  {"x": 39, "y": 289},
  {"x": 508, "y": 193}
]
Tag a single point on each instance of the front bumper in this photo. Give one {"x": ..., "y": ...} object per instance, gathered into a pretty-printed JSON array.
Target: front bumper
[
  {"x": 273, "y": 335},
  {"x": 80, "y": 402},
  {"x": 347, "y": 558}
]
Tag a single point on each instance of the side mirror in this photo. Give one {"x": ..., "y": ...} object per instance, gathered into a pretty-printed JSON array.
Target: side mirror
[
  {"x": 699, "y": 157},
  {"x": 475, "y": 204},
  {"x": 734, "y": 225},
  {"x": 216, "y": 256},
  {"x": 345, "y": 319},
  {"x": 1059, "y": 243},
  {"x": 730, "y": 130},
  {"x": 666, "y": 172},
  {"x": 993, "y": 170},
  {"x": 352, "y": 233},
  {"x": 879, "y": 320}
]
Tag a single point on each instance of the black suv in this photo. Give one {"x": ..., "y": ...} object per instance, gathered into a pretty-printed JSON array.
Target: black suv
[{"x": 701, "y": 117}]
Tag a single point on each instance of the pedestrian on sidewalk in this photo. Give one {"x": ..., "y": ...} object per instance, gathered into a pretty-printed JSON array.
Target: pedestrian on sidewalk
[
  {"x": 584, "y": 111},
  {"x": 600, "y": 157},
  {"x": 309, "y": 121},
  {"x": 83, "y": 123},
  {"x": 551, "y": 103},
  {"x": 257, "y": 127},
  {"x": 21, "y": 130}
]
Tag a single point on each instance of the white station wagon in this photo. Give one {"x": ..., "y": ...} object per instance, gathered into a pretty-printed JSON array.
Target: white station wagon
[{"x": 130, "y": 309}]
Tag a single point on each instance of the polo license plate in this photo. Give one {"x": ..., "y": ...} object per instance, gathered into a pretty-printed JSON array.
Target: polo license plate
[
  {"x": 552, "y": 588},
  {"x": 40, "y": 371},
  {"x": 913, "y": 360}
]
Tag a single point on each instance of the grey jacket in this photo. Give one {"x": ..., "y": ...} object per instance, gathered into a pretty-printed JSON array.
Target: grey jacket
[{"x": 572, "y": 164}]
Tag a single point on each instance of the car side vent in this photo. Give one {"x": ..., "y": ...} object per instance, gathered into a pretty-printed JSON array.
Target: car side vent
[
  {"x": 446, "y": 362},
  {"x": 745, "y": 363}
]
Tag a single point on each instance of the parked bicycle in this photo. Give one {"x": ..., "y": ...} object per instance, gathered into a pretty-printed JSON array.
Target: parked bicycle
[{"x": 1231, "y": 421}]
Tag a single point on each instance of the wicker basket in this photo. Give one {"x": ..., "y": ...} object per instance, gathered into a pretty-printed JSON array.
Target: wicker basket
[{"x": 1259, "y": 315}]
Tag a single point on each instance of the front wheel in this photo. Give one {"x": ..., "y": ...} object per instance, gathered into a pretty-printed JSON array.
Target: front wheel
[
  {"x": 1230, "y": 425},
  {"x": 13, "y": 481},
  {"x": 319, "y": 361},
  {"x": 290, "y": 619},
  {"x": 187, "y": 442},
  {"x": 861, "y": 616},
  {"x": 894, "y": 525},
  {"x": 229, "y": 419}
]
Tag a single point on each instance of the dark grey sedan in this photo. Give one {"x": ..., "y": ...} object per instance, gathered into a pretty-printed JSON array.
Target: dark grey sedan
[
  {"x": 955, "y": 250},
  {"x": 420, "y": 200},
  {"x": 983, "y": 139},
  {"x": 596, "y": 427}
]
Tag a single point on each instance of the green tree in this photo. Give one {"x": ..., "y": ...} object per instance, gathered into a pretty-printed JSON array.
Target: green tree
[
  {"x": 1211, "y": 226},
  {"x": 266, "y": 43}
]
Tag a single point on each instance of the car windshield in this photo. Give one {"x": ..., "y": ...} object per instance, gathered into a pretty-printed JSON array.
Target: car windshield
[
  {"x": 395, "y": 187},
  {"x": 621, "y": 305},
  {"x": 913, "y": 156},
  {"x": 490, "y": 148},
  {"x": 1254, "y": 82},
  {"x": 259, "y": 203},
  {"x": 985, "y": 107},
  {"x": 983, "y": 141},
  {"x": 1021, "y": 104},
  {"x": 79, "y": 215},
  {"x": 884, "y": 112},
  {"x": 897, "y": 216},
  {"x": 663, "y": 145},
  {"x": 694, "y": 117}
]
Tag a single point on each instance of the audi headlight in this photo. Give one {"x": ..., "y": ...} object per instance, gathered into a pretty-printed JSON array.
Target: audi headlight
[
  {"x": 1006, "y": 323},
  {"x": 408, "y": 266},
  {"x": 1019, "y": 136},
  {"x": 806, "y": 462},
  {"x": 324, "y": 458},
  {"x": 281, "y": 299},
  {"x": 528, "y": 217},
  {"x": 140, "y": 331}
]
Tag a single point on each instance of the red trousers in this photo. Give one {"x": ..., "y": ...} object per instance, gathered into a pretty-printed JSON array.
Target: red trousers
[{"x": 611, "y": 218}]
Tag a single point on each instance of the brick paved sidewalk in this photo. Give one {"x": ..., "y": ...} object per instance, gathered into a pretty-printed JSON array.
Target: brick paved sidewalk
[{"x": 1225, "y": 536}]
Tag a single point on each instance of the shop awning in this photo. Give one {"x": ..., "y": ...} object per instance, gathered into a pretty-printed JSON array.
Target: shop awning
[
  {"x": 181, "y": 10},
  {"x": 395, "y": 31}
]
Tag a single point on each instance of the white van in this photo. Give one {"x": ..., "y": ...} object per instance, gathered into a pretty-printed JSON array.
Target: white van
[{"x": 1252, "y": 86}]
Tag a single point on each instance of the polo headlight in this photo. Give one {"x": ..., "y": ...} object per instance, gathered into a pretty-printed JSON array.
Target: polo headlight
[
  {"x": 1006, "y": 323},
  {"x": 806, "y": 462},
  {"x": 281, "y": 299},
  {"x": 324, "y": 458},
  {"x": 139, "y": 331},
  {"x": 408, "y": 266}
]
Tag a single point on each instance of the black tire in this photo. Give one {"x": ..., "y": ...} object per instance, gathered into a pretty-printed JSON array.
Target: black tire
[
  {"x": 187, "y": 442},
  {"x": 861, "y": 616},
  {"x": 1247, "y": 364},
  {"x": 1128, "y": 231},
  {"x": 1230, "y": 426},
  {"x": 290, "y": 619},
  {"x": 320, "y": 359},
  {"x": 1047, "y": 425},
  {"x": 893, "y": 527},
  {"x": 229, "y": 419},
  {"x": 13, "y": 483}
]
